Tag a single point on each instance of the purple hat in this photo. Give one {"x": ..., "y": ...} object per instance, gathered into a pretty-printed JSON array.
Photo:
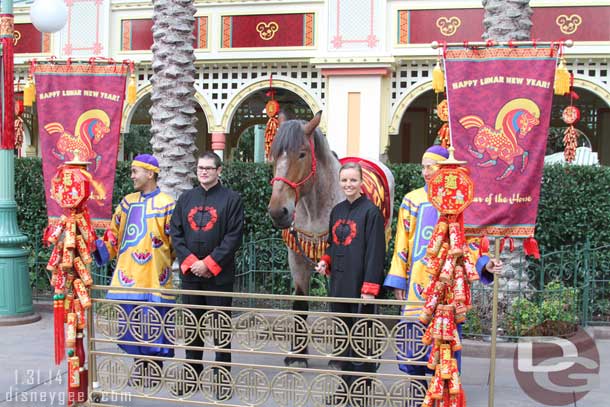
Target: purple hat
[
  {"x": 436, "y": 153},
  {"x": 147, "y": 162}
]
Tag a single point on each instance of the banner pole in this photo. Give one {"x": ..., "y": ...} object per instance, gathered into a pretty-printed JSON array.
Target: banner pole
[
  {"x": 494, "y": 329},
  {"x": 492, "y": 43}
]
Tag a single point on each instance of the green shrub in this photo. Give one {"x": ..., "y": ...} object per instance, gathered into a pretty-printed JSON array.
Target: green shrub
[{"x": 552, "y": 311}]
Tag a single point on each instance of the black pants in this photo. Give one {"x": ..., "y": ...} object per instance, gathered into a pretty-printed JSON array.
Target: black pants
[
  {"x": 367, "y": 367},
  {"x": 220, "y": 338}
]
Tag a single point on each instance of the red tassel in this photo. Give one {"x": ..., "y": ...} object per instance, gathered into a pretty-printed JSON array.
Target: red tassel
[
  {"x": 530, "y": 246},
  {"x": 58, "y": 326},
  {"x": 484, "y": 246}
]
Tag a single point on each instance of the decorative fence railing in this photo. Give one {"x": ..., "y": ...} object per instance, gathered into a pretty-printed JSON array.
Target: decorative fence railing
[{"x": 251, "y": 344}]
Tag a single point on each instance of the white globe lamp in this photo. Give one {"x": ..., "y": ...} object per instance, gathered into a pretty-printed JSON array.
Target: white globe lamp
[{"x": 49, "y": 16}]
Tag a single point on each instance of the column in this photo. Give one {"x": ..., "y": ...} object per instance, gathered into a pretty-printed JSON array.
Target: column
[
  {"x": 218, "y": 143},
  {"x": 356, "y": 111}
]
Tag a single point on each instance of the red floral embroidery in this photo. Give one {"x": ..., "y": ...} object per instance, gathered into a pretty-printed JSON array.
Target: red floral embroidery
[
  {"x": 211, "y": 222},
  {"x": 352, "y": 232}
]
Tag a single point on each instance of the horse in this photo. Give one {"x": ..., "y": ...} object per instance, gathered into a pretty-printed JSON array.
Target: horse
[
  {"x": 514, "y": 121},
  {"x": 305, "y": 188}
]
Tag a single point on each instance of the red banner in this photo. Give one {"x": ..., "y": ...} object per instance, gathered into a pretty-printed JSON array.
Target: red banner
[
  {"x": 499, "y": 110},
  {"x": 268, "y": 30},
  {"x": 79, "y": 117}
]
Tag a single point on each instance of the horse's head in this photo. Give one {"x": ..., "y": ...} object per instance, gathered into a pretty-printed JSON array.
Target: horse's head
[
  {"x": 99, "y": 130},
  {"x": 294, "y": 167},
  {"x": 525, "y": 122}
]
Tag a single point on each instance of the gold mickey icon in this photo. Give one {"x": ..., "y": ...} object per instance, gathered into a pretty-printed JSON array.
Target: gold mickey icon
[{"x": 267, "y": 30}]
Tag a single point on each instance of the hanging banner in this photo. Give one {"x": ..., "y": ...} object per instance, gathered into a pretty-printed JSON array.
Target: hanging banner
[
  {"x": 79, "y": 117},
  {"x": 499, "y": 110}
]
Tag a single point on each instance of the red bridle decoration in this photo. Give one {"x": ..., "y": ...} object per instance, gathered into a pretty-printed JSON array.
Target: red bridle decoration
[{"x": 312, "y": 172}]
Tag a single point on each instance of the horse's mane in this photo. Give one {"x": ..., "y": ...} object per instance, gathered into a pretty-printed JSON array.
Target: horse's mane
[{"x": 291, "y": 137}]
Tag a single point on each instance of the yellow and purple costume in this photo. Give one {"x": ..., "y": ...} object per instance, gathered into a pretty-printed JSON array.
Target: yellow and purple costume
[{"x": 139, "y": 239}]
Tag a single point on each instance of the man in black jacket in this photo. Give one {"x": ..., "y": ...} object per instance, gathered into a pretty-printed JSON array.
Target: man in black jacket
[{"x": 206, "y": 230}]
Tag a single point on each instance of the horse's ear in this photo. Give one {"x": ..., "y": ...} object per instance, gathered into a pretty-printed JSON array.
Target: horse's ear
[
  {"x": 313, "y": 123},
  {"x": 281, "y": 118}
]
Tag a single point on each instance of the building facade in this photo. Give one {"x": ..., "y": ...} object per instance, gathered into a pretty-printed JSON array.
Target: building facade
[{"x": 366, "y": 64}]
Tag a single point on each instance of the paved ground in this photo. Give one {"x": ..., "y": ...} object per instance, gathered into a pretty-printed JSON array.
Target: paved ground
[{"x": 28, "y": 376}]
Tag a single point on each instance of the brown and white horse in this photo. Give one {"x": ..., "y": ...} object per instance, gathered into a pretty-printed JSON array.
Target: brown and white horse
[{"x": 305, "y": 189}]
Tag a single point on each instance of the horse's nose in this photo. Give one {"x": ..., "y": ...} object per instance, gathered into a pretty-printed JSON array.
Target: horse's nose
[{"x": 277, "y": 213}]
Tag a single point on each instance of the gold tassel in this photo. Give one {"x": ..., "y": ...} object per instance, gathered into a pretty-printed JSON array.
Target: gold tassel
[
  {"x": 29, "y": 92},
  {"x": 562, "y": 79},
  {"x": 131, "y": 90},
  {"x": 438, "y": 79}
]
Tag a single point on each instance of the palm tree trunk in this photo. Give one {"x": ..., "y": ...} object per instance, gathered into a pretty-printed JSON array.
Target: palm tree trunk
[
  {"x": 506, "y": 20},
  {"x": 173, "y": 103}
]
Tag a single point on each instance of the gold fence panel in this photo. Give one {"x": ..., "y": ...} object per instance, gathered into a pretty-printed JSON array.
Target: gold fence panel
[{"x": 259, "y": 339}]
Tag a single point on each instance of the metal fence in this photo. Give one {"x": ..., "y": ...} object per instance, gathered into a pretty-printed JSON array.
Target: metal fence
[
  {"x": 569, "y": 286},
  {"x": 245, "y": 350}
]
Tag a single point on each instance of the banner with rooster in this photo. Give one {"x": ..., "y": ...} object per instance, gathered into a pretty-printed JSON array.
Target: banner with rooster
[
  {"x": 79, "y": 115},
  {"x": 499, "y": 110}
]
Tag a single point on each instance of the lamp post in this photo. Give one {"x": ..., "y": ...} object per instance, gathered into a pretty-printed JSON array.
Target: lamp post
[{"x": 15, "y": 293}]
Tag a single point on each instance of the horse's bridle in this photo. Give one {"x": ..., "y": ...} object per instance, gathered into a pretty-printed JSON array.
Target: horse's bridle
[{"x": 312, "y": 172}]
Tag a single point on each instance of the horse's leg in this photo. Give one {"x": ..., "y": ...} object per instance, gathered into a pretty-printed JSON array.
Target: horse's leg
[
  {"x": 474, "y": 152},
  {"x": 301, "y": 275},
  {"x": 524, "y": 160},
  {"x": 488, "y": 163},
  {"x": 506, "y": 172}
]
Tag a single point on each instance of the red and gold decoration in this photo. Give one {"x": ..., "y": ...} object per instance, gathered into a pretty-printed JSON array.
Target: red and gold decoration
[
  {"x": 80, "y": 107},
  {"x": 442, "y": 111},
  {"x": 7, "y": 135},
  {"x": 570, "y": 116},
  {"x": 268, "y": 30},
  {"x": 73, "y": 238},
  {"x": 447, "y": 297},
  {"x": 272, "y": 109},
  {"x": 578, "y": 23}
]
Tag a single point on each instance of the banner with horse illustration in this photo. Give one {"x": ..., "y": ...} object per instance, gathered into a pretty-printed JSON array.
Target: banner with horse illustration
[
  {"x": 499, "y": 110},
  {"x": 79, "y": 119}
]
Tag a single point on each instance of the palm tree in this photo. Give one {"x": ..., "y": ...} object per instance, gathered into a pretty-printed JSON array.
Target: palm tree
[
  {"x": 173, "y": 103},
  {"x": 506, "y": 20}
]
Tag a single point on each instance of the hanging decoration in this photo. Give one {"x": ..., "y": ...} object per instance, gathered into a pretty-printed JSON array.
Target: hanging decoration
[
  {"x": 132, "y": 84},
  {"x": 442, "y": 111},
  {"x": 570, "y": 116},
  {"x": 272, "y": 109},
  {"x": 448, "y": 296},
  {"x": 73, "y": 238}
]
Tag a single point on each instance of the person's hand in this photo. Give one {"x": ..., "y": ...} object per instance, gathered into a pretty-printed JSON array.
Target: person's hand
[
  {"x": 494, "y": 266},
  {"x": 400, "y": 294},
  {"x": 321, "y": 267},
  {"x": 199, "y": 268},
  {"x": 367, "y": 296}
]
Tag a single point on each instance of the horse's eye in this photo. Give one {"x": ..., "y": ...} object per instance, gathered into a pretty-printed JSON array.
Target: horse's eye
[{"x": 302, "y": 155}]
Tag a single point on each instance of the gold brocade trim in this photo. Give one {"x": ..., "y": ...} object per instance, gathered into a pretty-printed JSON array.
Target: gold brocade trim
[
  {"x": 501, "y": 231},
  {"x": 313, "y": 246},
  {"x": 568, "y": 24},
  {"x": 7, "y": 26},
  {"x": 448, "y": 26}
]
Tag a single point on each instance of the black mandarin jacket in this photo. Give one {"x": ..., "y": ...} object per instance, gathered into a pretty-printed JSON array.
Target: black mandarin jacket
[{"x": 208, "y": 225}]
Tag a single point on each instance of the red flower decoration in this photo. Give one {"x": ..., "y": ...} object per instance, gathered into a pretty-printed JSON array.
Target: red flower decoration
[
  {"x": 210, "y": 223},
  {"x": 352, "y": 232}
]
